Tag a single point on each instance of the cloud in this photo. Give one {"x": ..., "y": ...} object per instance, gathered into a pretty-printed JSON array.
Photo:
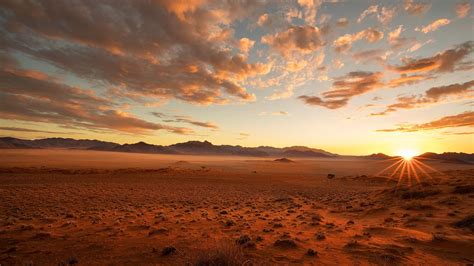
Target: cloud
[
  {"x": 278, "y": 113},
  {"x": 434, "y": 25},
  {"x": 337, "y": 64},
  {"x": 286, "y": 93},
  {"x": 405, "y": 79},
  {"x": 245, "y": 44},
  {"x": 243, "y": 136},
  {"x": 310, "y": 8},
  {"x": 416, "y": 8},
  {"x": 330, "y": 104},
  {"x": 344, "y": 43},
  {"x": 145, "y": 55},
  {"x": 384, "y": 14},
  {"x": 191, "y": 121},
  {"x": 418, "y": 45},
  {"x": 446, "y": 61},
  {"x": 462, "y": 9},
  {"x": 460, "y": 120},
  {"x": 19, "y": 129},
  {"x": 431, "y": 96},
  {"x": 295, "y": 66},
  {"x": 40, "y": 98},
  {"x": 370, "y": 10},
  {"x": 346, "y": 87},
  {"x": 396, "y": 41},
  {"x": 378, "y": 55},
  {"x": 342, "y": 22},
  {"x": 302, "y": 39}
]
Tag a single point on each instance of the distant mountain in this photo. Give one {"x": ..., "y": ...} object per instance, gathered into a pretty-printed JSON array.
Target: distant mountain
[
  {"x": 142, "y": 147},
  {"x": 378, "y": 156},
  {"x": 190, "y": 147},
  {"x": 205, "y": 148},
  {"x": 455, "y": 157},
  {"x": 307, "y": 153},
  {"x": 67, "y": 143}
]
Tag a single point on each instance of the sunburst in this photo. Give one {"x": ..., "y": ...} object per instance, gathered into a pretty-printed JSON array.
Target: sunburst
[{"x": 408, "y": 168}]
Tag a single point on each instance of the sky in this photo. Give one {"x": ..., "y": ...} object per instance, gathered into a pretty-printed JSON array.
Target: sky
[{"x": 350, "y": 77}]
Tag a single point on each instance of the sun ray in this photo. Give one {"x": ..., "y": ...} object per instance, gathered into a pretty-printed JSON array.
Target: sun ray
[
  {"x": 419, "y": 166},
  {"x": 390, "y": 166}
]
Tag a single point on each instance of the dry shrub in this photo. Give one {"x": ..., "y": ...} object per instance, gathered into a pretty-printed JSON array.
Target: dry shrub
[{"x": 221, "y": 254}]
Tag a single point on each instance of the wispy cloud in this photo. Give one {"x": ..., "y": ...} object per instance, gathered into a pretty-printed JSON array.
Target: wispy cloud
[
  {"x": 434, "y": 25},
  {"x": 465, "y": 119},
  {"x": 431, "y": 96},
  {"x": 346, "y": 87}
]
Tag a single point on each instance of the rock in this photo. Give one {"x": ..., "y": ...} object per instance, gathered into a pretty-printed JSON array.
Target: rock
[
  {"x": 243, "y": 239},
  {"x": 311, "y": 252},
  {"x": 331, "y": 176},
  {"x": 159, "y": 231},
  {"x": 168, "y": 251},
  {"x": 320, "y": 236},
  {"x": 69, "y": 261},
  {"x": 467, "y": 222},
  {"x": 285, "y": 243}
]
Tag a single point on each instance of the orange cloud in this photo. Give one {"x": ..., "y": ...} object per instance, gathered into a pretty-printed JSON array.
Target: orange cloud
[
  {"x": 245, "y": 44},
  {"x": 146, "y": 55},
  {"x": 189, "y": 120},
  {"x": 344, "y": 43},
  {"x": 384, "y": 14},
  {"x": 446, "y": 61},
  {"x": 434, "y": 25},
  {"x": 346, "y": 87},
  {"x": 29, "y": 98},
  {"x": 342, "y": 22},
  {"x": 303, "y": 39},
  {"x": 462, "y": 9},
  {"x": 431, "y": 96},
  {"x": 416, "y": 8},
  {"x": 460, "y": 120}
]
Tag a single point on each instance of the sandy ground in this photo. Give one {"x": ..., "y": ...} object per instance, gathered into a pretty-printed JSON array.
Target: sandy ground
[{"x": 101, "y": 208}]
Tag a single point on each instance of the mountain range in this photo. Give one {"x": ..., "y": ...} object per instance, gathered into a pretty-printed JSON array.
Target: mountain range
[{"x": 206, "y": 148}]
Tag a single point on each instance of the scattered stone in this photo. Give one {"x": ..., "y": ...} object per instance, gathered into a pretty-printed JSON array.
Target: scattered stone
[
  {"x": 285, "y": 243},
  {"x": 168, "y": 251},
  {"x": 320, "y": 236},
  {"x": 311, "y": 252},
  {"x": 159, "y": 231},
  {"x": 69, "y": 261},
  {"x": 467, "y": 222},
  {"x": 243, "y": 239},
  {"x": 464, "y": 189}
]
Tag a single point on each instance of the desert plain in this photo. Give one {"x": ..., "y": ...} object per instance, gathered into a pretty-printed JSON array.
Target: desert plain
[{"x": 68, "y": 207}]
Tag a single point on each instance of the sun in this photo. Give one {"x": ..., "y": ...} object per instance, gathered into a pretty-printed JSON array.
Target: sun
[{"x": 407, "y": 154}]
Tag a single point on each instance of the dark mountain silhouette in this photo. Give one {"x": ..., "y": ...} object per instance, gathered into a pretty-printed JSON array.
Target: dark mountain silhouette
[
  {"x": 378, "y": 156},
  {"x": 455, "y": 157},
  {"x": 304, "y": 153},
  {"x": 68, "y": 143},
  {"x": 142, "y": 147},
  {"x": 204, "y": 148}
]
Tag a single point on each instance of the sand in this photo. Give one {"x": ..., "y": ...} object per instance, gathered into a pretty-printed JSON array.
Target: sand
[{"x": 97, "y": 208}]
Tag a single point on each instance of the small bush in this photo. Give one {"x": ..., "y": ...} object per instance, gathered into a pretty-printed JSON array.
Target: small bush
[{"x": 224, "y": 254}]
